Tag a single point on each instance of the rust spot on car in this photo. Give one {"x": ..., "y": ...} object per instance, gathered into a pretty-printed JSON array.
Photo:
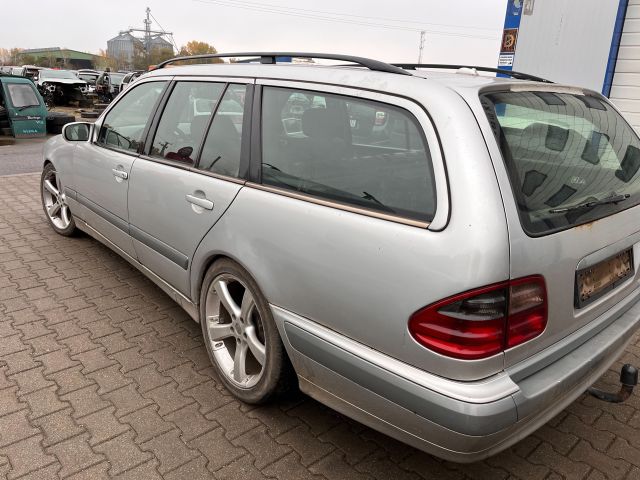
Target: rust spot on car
[{"x": 586, "y": 226}]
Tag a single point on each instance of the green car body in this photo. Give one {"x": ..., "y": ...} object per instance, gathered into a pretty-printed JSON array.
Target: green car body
[{"x": 26, "y": 111}]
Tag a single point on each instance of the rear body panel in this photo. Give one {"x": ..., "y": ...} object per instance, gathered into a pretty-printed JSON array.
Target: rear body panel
[
  {"x": 558, "y": 256},
  {"x": 364, "y": 277}
]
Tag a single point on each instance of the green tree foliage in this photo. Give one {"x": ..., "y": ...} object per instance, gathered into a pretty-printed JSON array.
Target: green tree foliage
[{"x": 194, "y": 47}]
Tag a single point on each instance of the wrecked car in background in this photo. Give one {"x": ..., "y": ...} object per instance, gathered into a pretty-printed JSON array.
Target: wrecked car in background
[
  {"x": 60, "y": 87},
  {"x": 22, "y": 111}
]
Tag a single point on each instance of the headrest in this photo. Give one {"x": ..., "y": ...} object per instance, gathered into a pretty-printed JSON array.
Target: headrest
[
  {"x": 320, "y": 123},
  {"x": 223, "y": 127},
  {"x": 198, "y": 125}
]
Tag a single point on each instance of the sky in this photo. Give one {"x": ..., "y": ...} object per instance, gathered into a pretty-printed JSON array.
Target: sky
[{"x": 457, "y": 31}]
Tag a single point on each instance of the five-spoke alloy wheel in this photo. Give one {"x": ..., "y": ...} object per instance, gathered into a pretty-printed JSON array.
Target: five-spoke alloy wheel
[
  {"x": 240, "y": 334},
  {"x": 54, "y": 202}
]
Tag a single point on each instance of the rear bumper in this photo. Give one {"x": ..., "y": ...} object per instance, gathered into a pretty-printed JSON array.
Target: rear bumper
[{"x": 457, "y": 421}]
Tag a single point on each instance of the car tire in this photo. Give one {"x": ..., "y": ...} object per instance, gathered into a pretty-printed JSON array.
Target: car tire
[
  {"x": 232, "y": 339},
  {"x": 54, "y": 203},
  {"x": 56, "y": 120}
]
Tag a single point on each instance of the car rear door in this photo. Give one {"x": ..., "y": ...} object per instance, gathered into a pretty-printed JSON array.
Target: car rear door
[
  {"x": 102, "y": 167},
  {"x": 189, "y": 174}
]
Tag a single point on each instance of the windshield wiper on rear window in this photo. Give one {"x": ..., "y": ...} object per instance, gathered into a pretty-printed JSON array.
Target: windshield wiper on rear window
[
  {"x": 593, "y": 203},
  {"x": 27, "y": 106}
]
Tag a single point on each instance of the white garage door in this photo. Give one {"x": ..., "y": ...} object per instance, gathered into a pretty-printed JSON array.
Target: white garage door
[{"x": 625, "y": 91}]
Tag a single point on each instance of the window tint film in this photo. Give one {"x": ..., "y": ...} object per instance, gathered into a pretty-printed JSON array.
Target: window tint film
[
  {"x": 22, "y": 95},
  {"x": 184, "y": 120},
  {"x": 124, "y": 124},
  {"x": 366, "y": 154},
  {"x": 221, "y": 151},
  {"x": 568, "y": 156}
]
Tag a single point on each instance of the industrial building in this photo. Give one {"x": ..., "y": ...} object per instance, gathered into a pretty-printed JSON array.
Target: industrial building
[
  {"x": 125, "y": 45},
  {"x": 587, "y": 43},
  {"x": 62, "y": 57}
]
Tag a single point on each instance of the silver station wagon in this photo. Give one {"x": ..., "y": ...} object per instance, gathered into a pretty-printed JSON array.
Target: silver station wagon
[{"x": 446, "y": 256}]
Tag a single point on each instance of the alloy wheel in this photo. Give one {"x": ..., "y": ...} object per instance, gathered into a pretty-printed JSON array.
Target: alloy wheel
[
  {"x": 55, "y": 201},
  {"x": 235, "y": 331}
]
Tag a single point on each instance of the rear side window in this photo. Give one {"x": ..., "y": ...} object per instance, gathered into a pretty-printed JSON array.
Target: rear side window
[
  {"x": 185, "y": 120},
  {"x": 362, "y": 153},
  {"x": 221, "y": 150},
  {"x": 125, "y": 123},
  {"x": 571, "y": 158}
]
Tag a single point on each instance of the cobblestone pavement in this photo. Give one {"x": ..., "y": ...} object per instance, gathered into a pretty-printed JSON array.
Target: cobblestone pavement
[{"x": 102, "y": 375}]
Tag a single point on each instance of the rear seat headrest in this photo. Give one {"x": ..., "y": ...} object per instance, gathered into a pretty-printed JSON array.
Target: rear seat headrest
[{"x": 321, "y": 123}]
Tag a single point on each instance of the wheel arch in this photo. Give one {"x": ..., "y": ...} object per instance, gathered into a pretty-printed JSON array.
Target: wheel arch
[{"x": 205, "y": 265}]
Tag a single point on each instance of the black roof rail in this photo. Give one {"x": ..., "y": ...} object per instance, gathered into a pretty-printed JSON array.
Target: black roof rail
[
  {"x": 271, "y": 57},
  {"x": 510, "y": 73}
]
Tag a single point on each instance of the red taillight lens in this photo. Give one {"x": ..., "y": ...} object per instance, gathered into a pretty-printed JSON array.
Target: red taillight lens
[{"x": 485, "y": 321}]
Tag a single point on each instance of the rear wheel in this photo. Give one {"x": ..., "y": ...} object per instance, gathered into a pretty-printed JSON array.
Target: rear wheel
[
  {"x": 241, "y": 336},
  {"x": 54, "y": 202}
]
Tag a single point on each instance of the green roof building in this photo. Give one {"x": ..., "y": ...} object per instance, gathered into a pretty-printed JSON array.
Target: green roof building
[{"x": 61, "y": 57}]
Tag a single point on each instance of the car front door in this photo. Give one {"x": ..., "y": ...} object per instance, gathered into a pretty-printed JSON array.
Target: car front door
[
  {"x": 102, "y": 168},
  {"x": 174, "y": 200}
]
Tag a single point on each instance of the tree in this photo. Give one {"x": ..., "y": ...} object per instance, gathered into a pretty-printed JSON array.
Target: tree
[
  {"x": 10, "y": 56},
  {"x": 105, "y": 60},
  {"x": 195, "y": 47},
  {"x": 5, "y": 56},
  {"x": 27, "y": 60},
  {"x": 160, "y": 55}
]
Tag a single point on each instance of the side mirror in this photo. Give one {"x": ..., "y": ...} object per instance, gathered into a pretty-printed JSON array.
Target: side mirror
[{"x": 76, "y": 131}]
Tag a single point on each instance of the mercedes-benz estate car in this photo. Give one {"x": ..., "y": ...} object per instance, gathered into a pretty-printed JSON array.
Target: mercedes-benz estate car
[{"x": 445, "y": 256}]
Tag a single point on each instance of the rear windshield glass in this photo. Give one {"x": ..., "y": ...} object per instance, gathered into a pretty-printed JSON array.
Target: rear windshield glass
[
  {"x": 57, "y": 74},
  {"x": 571, "y": 158}
]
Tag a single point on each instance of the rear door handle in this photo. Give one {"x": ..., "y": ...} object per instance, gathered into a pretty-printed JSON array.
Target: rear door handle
[
  {"x": 201, "y": 202},
  {"x": 120, "y": 174}
]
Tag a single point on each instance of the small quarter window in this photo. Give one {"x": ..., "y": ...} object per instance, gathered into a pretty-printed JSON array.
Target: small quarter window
[
  {"x": 359, "y": 152},
  {"x": 184, "y": 120},
  {"x": 125, "y": 123},
  {"x": 221, "y": 151}
]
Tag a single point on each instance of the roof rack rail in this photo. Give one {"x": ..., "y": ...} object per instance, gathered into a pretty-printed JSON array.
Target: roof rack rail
[
  {"x": 271, "y": 57},
  {"x": 510, "y": 73}
]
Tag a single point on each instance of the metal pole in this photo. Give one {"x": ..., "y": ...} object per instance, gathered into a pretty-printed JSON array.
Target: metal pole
[
  {"x": 147, "y": 32},
  {"x": 422, "y": 40}
]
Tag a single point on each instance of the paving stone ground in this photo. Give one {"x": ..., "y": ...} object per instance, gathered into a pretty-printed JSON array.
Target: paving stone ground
[{"x": 103, "y": 376}]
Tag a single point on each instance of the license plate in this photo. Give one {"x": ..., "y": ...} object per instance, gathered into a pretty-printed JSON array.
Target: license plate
[{"x": 593, "y": 282}]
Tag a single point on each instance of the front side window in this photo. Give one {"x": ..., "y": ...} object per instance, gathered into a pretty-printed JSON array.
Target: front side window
[
  {"x": 363, "y": 153},
  {"x": 22, "y": 95},
  {"x": 221, "y": 151},
  {"x": 184, "y": 120},
  {"x": 571, "y": 158},
  {"x": 125, "y": 123}
]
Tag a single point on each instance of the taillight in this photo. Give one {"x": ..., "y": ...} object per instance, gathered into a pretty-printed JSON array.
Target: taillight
[{"x": 485, "y": 321}]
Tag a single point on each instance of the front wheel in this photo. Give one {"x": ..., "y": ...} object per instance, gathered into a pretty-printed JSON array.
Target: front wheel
[
  {"x": 241, "y": 336},
  {"x": 54, "y": 202}
]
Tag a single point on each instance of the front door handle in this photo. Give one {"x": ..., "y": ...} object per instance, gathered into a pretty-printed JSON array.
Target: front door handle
[
  {"x": 201, "y": 202},
  {"x": 120, "y": 174}
]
